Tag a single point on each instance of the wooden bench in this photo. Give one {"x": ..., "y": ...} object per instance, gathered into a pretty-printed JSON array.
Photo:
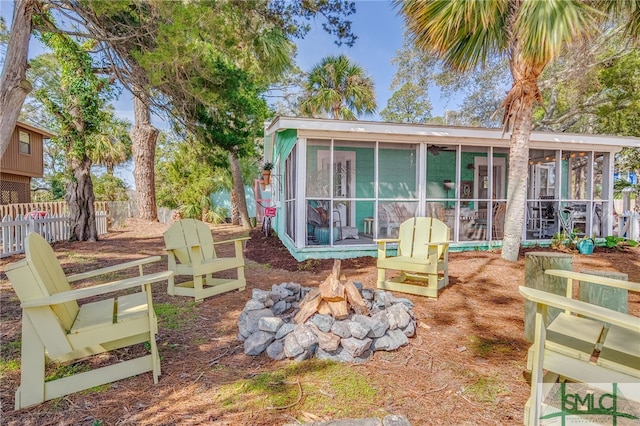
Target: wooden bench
[{"x": 586, "y": 343}]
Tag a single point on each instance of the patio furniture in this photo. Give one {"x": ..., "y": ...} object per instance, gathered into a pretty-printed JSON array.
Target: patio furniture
[
  {"x": 423, "y": 249},
  {"x": 391, "y": 215},
  {"x": 192, "y": 252},
  {"x": 56, "y": 328},
  {"x": 586, "y": 343},
  {"x": 570, "y": 218},
  {"x": 539, "y": 221}
]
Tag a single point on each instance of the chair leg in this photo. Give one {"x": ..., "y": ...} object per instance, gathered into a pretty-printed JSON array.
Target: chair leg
[
  {"x": 382, "y": 277},
  {"x": 198, "y": 286},
  {"x": 32, "y": 364},
  {"x": 171, "y": 283},
  {"x": 536, "y": 373},
  {"x": 241, "y": 277}
]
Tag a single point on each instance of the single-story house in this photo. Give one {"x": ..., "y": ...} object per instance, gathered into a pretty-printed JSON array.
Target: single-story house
[
  {"x": 22, "y": 161},
  {"x": 338, "y": 185}
]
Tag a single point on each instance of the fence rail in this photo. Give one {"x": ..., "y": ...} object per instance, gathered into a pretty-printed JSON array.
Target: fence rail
[
  {"x": 52, "y": 227},
  {"x": 52, "y": 207}
]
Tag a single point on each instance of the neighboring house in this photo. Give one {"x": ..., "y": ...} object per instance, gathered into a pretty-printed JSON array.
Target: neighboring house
[
  {"x": 338, "y": 185},
  {"x": 22, "y": 160}
]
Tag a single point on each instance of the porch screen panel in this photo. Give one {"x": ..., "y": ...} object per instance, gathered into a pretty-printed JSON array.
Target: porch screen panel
[
  {"x": 290, "y": 182},
  {"x": 318, "y": 168},
  {"x": 397, "y": 171},
  {"x": 599, "y": 207},
  {"x": 541, "y": 214},
  {"x": 353, "y": 179},
  {"x": 575, "y": 198},
  {"x": 441, "y": 184},
  {"x": 478, "y": 175}
]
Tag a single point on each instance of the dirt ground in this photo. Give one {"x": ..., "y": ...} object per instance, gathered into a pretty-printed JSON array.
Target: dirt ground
[{"x": 464, "y": 367}]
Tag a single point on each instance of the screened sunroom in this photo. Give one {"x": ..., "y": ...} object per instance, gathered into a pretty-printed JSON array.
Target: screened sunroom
[{"x": 339, "y": 185}]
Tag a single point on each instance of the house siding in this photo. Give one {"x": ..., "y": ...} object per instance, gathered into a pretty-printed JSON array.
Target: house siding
[{"x": 17, "y": 163}]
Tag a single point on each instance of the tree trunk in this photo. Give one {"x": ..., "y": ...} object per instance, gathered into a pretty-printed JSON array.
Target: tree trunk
[
  {"x": 143, "y": 139},
  {"x": 80, "y": 199},
  {"x": 238, "y": 187},
  {"x": 519, "y": 105},
  {"x": 14, "y": 86},
  {"x": 234, "y": 214}
]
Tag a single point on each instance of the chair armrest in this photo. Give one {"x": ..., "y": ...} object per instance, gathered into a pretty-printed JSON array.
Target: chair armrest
[
  {"x": 232, "y": 241},
  {"x": 438, "y": 243},
  {"x": 109, "y": 269},
  {"x": 611, "y": 282},
  {"x": 387, "y": 240},
  {"x": 97, "y": 290},
  {"x": 582, "y": 308}
]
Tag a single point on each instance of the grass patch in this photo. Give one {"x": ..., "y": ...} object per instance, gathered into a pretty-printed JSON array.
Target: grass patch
[
  {"x": 172, "y": 317},
  {"x": 9, "y": 356},
  {"x": 483, "y": 347},
  {"x": 485, "y": 389},
  {"x": 65, "y": 370},
  {"x": 328, "y": 388}
]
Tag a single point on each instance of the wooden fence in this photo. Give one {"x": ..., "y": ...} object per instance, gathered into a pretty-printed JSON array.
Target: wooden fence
[
  {"x": 52, "y": 227},
  {"x": 52, "y": 207}
]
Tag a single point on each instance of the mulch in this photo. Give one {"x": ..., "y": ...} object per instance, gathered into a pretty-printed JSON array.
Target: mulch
[{"x": 465, "y": 365}]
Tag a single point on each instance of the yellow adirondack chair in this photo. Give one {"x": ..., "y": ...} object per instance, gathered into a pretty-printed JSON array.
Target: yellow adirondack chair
[
  {"x": 423, "y": 250},
  {"x": 192, "y": 252},
  {"x": 585, "y": 343},
  {"x": 54, "y": 326}
]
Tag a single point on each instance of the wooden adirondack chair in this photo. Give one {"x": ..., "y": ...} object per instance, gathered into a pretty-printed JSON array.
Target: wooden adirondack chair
[
  {"x": 423, "y": 250},
  {"x": 586, "y": 343},
  {"x": 54, "y": 326},
  {"x": 192, "y": 252}
]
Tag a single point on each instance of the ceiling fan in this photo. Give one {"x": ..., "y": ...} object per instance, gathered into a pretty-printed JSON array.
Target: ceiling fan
[{"x": 435, "y": 149}]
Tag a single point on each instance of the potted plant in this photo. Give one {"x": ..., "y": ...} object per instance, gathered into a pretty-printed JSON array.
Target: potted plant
[
  {"x": 266, "y": 172},
  {"x": 319, "y": 221},
  {"x": 585, "y": 245}
]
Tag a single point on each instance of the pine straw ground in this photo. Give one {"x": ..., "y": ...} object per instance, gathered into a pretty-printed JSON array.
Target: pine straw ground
[{"x": 465, "y": 366}]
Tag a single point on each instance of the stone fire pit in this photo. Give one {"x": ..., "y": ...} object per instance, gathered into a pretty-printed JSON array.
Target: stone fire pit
[{"x": 267, "y": 324}]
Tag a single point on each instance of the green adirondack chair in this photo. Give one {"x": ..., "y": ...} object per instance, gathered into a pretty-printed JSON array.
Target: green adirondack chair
[
  {"x": 422, "y": 256},
  {"x": 192, "y": 252},
  {"x": 56, "y": 327}
]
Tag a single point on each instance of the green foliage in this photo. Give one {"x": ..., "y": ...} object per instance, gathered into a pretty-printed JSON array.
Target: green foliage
[
  {"x": 612, "y": 241},
  {"x": 339, "y": 88},
  {"x": 217, "y": 214},
  {"x": 183, "y": 178},
  {"x": 409, "y": 104},
  {"x": 77, "y": 103},
  {"x": 109, "y": 188}
]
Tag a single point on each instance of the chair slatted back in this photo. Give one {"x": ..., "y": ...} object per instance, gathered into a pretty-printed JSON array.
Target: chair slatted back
[
  {"x": 50, "y": 277},
  {"x": 186, "y": 233},
  {"x": 40, "y": 275},
  {"x": 416, "y": 232},
  {"x": 499, "y": 212}
]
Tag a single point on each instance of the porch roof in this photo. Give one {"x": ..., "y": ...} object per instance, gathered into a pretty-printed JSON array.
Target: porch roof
[{"x": 313, "y": 127}]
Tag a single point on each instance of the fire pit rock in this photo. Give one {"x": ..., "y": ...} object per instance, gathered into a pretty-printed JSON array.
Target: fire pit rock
[{"x": 266, "y": 325}]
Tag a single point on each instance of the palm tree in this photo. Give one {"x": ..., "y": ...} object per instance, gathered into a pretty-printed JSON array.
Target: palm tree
[
  {"x": 112, "y": 146},
  {"x": 338, "y": 87},
  {"x": 530, "y": 33}
]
